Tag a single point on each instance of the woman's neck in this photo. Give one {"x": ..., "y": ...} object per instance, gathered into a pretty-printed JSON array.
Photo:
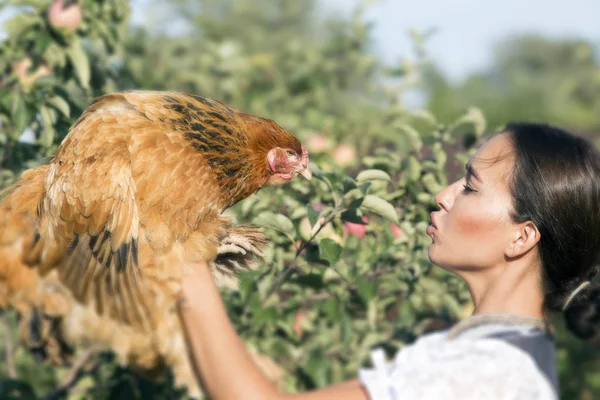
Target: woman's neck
[{"x": 510, "y": 288}]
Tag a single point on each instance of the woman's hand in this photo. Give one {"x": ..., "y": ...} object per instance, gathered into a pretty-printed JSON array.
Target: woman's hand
[
  {"x": 225, "y": 367},
  {"x": 194, "y": 281}
]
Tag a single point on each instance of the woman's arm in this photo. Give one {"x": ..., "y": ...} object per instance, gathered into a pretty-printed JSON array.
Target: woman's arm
[{"x": 225, "y": 367}]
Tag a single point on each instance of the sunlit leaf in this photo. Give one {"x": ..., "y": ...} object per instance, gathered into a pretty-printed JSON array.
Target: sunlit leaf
[
  {"x": 278, "y": 222},
  {"x": 313, "y": 215},
  {"x": 475, "y": 117},
  {"x": 60, "y": 104},
  {"x": 379, "y": 206},
  {"x": 80, "y": 63},
  {"x": 372, "y": 175},
  {"x": 47, "y": 136},
  {"x": 330, "y": 251}
]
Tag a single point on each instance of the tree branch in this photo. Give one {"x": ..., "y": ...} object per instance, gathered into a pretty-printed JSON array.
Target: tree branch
[
  {"x": 326, "y": 221},
  {"x": 73, "y": 376}
]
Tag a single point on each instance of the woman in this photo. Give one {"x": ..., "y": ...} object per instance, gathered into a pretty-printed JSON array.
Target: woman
[{"x": 522, "y": 228}]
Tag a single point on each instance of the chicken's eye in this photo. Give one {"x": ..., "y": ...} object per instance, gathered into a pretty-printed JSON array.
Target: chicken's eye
[{"x": 290, "y": 153}]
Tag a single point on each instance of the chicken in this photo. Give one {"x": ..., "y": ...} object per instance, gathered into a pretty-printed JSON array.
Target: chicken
[{"x": 95, "y": 244}]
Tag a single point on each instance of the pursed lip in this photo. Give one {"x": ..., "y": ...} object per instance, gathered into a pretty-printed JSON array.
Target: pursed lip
[
  {"x": 432, "y": 228},
  {"x": 432, "y": 217}
]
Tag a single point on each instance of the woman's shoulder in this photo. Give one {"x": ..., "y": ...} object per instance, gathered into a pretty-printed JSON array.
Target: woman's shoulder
[
  {"x": 464, "y": 368},
  {"x": 436, "y": 346}
]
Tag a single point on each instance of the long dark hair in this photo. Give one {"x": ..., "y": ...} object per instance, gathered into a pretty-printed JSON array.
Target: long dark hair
[{"x": 556, "y": 185}]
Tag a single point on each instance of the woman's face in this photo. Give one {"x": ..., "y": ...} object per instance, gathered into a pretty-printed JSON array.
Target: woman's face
[{"x": 473, "y": 228}]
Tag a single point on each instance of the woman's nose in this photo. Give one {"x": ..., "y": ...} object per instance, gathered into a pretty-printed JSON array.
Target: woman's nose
[{"x": 445, "y": 198}]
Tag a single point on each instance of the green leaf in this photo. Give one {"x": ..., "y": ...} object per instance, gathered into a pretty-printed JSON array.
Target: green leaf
[
  {"x": 425, "y": 116},
  {"x": 364, "y": 187},
  {"x": 366, "y": 289},
  {"x": 330, "y": 275},
  {"x": 19, "y": 113},
  {"x": 265, "y": 315},
  {"x": 425, "y": 198},
  {"x": 6, "y": 98},
  {"x": 297, "y": 213},
  {"x": 274, "y": 221},
  {"x": 475, "y": 117},
  {"x": 332, "y": 308},
  {"x": 316, "y": 171},
  {"x": 373, "y": 175},
  {"x": 247, "y": 286},
  {"x": 15, "y": 389},
  {"x": 354, "y": 198},
  {"x": 314, "y": 281},
  {"x": 352, "y": 215},
  {"x": 22, "y": 21},
  {"x": 379, "y": 206},
  {"x": 313, "y": 215},
  {"x": 413, "y": 136},
  {"x": 440, "y": 155},
  {"x": 330, "y": 251},
  {"x": 347, "y": 333},
  {"x": 414, "y": 168},
  {"x": 80, "y": 62},
  {"x": 431, "y": 184},
  {"x": 316, "y": 368},
  {"x": 61, "y": 105},
  {"x": 47, "y": 136},
  {"x": 349, "y": 184}
]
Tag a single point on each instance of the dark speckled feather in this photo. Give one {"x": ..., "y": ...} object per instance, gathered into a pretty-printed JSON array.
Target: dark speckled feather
[{"x": 235, "y": 144}]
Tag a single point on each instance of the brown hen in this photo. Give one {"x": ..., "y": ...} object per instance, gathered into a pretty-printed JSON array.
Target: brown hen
[{"x": 96, "y": 243}]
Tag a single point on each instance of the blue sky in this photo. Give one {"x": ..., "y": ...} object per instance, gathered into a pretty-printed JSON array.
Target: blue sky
[{"x": 468, "y": 29}]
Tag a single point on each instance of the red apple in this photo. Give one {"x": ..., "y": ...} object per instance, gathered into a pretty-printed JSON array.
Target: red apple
[
  {"x": 298, "y": 323},
  {"x": 344, "y": 155},
  {"x": 42, "y": 70},
  {"x": 317, "y": 206},
  {"x": 358, "y": 230},
  {"x": 21, "y": 69},
  {"x": 63, "y": 16},
  {"x": 317, "y": 143},
  {"x": 396, "y": 231}
]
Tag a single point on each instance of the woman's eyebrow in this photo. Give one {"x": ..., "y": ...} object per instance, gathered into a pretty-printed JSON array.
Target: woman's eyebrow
[{"x": 471, "y": 172}]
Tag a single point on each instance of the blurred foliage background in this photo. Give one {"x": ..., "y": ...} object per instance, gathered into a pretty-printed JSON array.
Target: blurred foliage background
[{"x": 348, "y": 268}]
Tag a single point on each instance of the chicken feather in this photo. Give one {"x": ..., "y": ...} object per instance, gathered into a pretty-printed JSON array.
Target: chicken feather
[
  {"x": 130, "y": 202},
  {"x": 106, "y": 182}
]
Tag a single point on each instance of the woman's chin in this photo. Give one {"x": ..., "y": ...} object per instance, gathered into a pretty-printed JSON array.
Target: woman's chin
[
  {"x": 434, "y": 257},
  {"x": 433, "y": 247}
]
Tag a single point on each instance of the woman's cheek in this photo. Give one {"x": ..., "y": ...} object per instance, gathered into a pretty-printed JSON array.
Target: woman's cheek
[
  {"x": 469, "y": 225},
  {"x": 479, "y": 223}
]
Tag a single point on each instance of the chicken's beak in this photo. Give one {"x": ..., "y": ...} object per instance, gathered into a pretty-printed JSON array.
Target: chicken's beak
[{"x": 306, "y": 173}]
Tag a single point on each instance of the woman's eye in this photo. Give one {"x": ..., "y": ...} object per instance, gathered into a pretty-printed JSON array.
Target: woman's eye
[{"x": 468, "y": 189}]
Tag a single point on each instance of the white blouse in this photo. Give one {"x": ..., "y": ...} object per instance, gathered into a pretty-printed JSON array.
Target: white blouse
[{"x": 471, "y": 366}]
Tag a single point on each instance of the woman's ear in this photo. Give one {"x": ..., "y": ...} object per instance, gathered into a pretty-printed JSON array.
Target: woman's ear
[{"x": 526, "y": 236}]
